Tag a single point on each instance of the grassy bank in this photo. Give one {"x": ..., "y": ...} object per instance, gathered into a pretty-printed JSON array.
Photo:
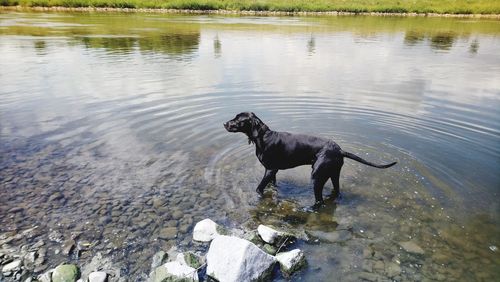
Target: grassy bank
[{"x": 356, "y": 6}]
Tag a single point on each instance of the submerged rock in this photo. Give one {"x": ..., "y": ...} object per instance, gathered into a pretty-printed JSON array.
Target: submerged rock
[
  {"x": 411, "y": 247},
  {"x": 68, "y": 246},
  {"x": 12, "y": 266},
  {"x": 205, "y": 231},
  {"x": 168, "y": 233},
  {"x": 234, "y": 259},
  {"x": 46, "y": 277},
  {"x": 29, "y": 260},
  {"x": 254, "y": 238},
  {"x": 331, "y": 237},
  {"x": 174, "y": 272},
  {"x": 372, "y": 277},
  {"x": 291, "y": 261},
  {"x": 66, "y": 273},
  {"x": 270, "y": 249},
  {"x": 392, "y": 269},
  {"x": 100, "y": 263}
]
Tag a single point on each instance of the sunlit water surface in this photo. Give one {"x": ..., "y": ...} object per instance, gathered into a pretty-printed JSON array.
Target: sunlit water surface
[{"x": 111, "y": 131}]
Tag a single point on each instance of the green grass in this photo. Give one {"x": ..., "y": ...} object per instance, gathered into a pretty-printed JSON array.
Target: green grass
[{"x": 357, "y": 6}]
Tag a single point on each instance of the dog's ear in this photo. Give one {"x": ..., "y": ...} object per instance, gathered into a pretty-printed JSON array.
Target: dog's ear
[{"x": 256, "y": 126}]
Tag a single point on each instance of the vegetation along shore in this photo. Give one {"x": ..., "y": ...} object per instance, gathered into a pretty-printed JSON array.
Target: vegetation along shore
[{"x": 425, "y": 7}]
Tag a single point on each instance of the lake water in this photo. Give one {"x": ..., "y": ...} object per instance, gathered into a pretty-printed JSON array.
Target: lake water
[{"x": 111, "y": 133}]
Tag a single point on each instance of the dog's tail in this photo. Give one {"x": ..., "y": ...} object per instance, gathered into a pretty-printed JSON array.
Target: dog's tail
[{"x": 356, "y": 158}]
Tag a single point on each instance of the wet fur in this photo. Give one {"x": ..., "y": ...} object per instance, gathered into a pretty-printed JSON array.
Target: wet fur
[{"x": 282, "y": 150}]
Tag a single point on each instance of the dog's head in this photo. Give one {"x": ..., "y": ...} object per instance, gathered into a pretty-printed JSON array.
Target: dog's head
[
  {"x": 243, "y": 122},
  {"x": 248, "y": 123}
]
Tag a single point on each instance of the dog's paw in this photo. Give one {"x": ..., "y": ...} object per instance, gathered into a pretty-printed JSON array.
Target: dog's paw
[
  {"x": 318, "y": 205},
  {"x": 260, "y": 193}
]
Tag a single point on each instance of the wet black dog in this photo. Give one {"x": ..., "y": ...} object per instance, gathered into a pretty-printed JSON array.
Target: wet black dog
[{"x": 283, "y": 150}]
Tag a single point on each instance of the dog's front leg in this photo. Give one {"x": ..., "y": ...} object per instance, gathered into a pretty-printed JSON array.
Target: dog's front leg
[{"x": 269, "y": 175}]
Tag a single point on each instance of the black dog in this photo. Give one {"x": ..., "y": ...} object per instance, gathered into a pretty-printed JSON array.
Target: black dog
[{"x": 283, "y": 150}]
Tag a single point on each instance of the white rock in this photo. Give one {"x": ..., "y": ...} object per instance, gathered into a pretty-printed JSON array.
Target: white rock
[
  {"x": 98, "y": 276},
  {"x": 234, "y": 259},
  {"x": 268, "y": 234},
  {"x": 181, "y": 270},
  {"x": 291, "y": 261},
  {"x": 12, "y": 266},
  {"x": 271, "y": 236},
  {"x": 174, "y": 271},
  {"x": 205, "y": 230}
]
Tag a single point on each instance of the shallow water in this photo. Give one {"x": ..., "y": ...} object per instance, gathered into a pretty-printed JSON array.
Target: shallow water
[{"x": 111, "y": 131}]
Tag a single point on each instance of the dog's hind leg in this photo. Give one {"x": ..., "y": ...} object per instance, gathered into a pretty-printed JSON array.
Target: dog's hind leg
[
  {"x": 273, "y": 179},
  {"x": 318, "y": 184},
  {"x": 335, "y": 181},
  {"x": 269, "y": 175},
  {"x": 320, "y": 174}
]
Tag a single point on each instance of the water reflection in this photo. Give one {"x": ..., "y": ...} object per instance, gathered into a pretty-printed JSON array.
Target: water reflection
[
  {"x": 474, "y": 46},
  {"x": 311, "y": 45},
  {"x": 217, "y": 47},
  {"x": 442, "y": 41},
  {"x": 439, "y": 41},
  {"x": 413, "y": 37},
  {"x": 112, "y": 44},
  {"x": 40, "y": 47},
  {"x": 173, "y": 44}
]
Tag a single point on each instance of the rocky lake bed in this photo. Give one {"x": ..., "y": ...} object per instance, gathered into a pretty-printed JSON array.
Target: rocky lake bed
[
  {"x": 221, "y": 254},
  {"x": 390, "y": 237}
]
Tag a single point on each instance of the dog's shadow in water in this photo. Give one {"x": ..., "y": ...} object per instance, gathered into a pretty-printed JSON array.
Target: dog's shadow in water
[{"x": 287, "y": 206}]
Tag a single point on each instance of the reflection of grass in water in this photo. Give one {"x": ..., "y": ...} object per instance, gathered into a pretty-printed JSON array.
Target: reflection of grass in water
[
  {"x": 442, "y": 41},
  {"x": 153, "y": 25},
  {"x": 391, "y": 6}
]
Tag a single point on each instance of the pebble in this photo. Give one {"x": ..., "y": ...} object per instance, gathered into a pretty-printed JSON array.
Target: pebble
[
  {"x": 157, "y": 202},
  {"x": 55, "y": 197},
  {"x": 55, "y": 236},
  {"x": 378, "y": 266},
  {"x": 15, "y": 210},
  {"x": 412, "y": 247},
  {"x": 12, "y": 266},
  {"x": 38, "y": 244},
  {"x": 367, "y": 265},
  {"x": 98, "y": 276},
  {"x": 29, "y": 260},
  {"x": 177, "y": 214},
  {"x": 392, "y": 269},
  {"x": 332, "y": 237},
  {"x": 371, "y": 277},
  {"x": 168, "y": 233},
  {"x": 68, "y": 246}
]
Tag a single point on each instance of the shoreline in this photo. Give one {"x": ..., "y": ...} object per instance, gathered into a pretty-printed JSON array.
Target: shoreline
[{"x": 238, "y": 12}]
